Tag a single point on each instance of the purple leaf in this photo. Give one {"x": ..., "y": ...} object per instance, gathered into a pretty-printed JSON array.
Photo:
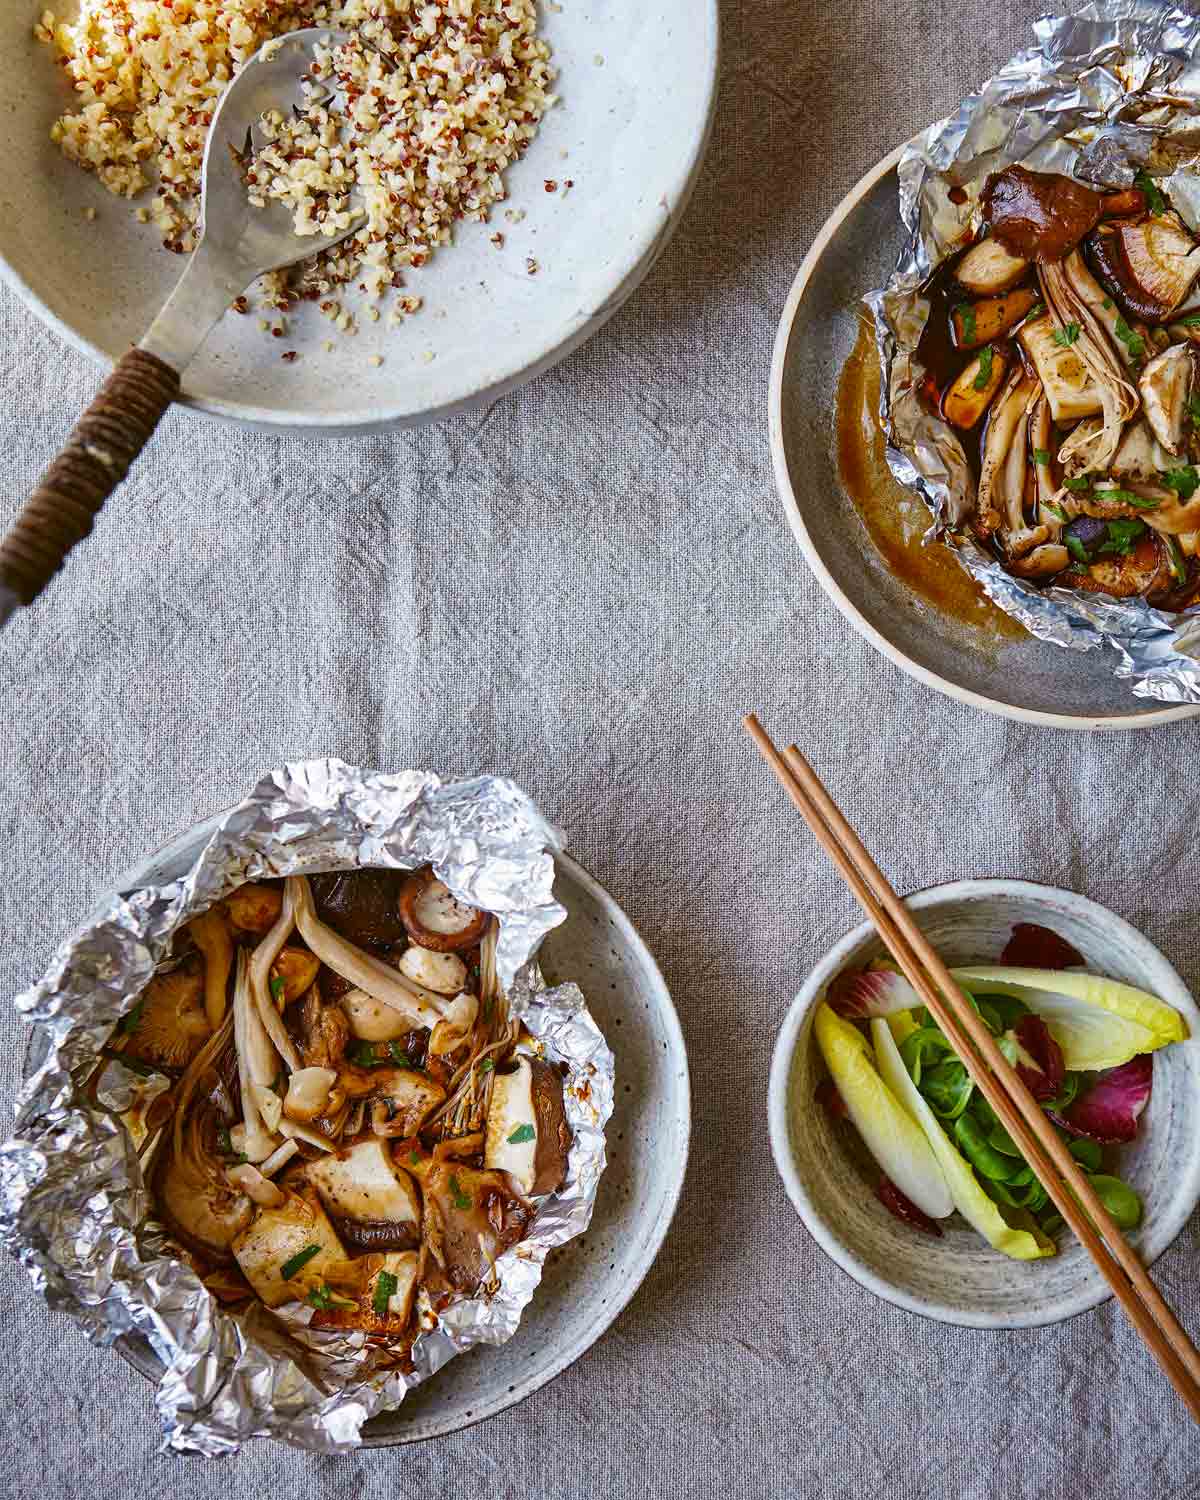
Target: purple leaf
[
  {"x": 1110, "y": 1110},
  {"x": 1039, "y": 1057},
  {"x": 874, "y": 992},
  {"x": 904, "y": 1208}
]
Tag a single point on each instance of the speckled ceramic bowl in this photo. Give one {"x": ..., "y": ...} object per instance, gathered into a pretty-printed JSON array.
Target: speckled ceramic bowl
[
  {"x": 637, "y": 85},
  {"x": 589, "y": 1280},
  {"x": 959, "y": 1278}
]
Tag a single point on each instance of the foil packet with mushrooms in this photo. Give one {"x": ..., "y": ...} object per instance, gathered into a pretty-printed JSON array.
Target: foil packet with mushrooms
[
  {"x": 1040, "y": 338},
  {"x": 306, "y": 1117}
]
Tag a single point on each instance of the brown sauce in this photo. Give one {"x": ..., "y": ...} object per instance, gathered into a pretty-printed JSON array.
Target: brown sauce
[{"x": 896, "y": 519}]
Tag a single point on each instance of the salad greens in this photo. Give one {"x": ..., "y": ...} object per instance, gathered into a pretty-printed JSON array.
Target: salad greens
[{"x": 1082, "y": 1044}]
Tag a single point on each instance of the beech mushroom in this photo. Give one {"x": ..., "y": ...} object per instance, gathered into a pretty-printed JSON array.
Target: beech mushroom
[
  {"x": 168, "y": 1025},
  {"x": 527, "y": 1133},
  {"x": 1002, "y": 477},
  {"x": 371, "y": 1020},
  {"x": 370, "y": 1199},
  {"x": 444, "y": 973},
  {"x": 435, "y": 918},
  {"x": 210, "y": 933},
  {"x": 261, "y": 964},
  {"x": 308, "y": 1093},
  {"x": 288, "y": 1249},
  {"x": 296, "y": 970},
  {"x": 988, "y": 268},
  {"x": 256, "y": 1064}
]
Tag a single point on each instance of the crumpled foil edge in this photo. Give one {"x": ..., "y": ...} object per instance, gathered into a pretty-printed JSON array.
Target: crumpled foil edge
[
  {"x": 74, "y": 1209},
  {"x": 1067, "y": 85}
]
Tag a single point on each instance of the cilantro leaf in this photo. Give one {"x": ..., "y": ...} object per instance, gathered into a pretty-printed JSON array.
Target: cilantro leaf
[
  {"x": 277, "y": 988},
  {"x": 298, "y": 1261},
  {"x": 1121, "y": 537},
  {"x": 1154, "y": 198},
  {"x": 965, "y": 314},
  {"x": 320, "y": 1296},
  {"x": 521, "y": 1134},
  {"x": 385, "y": 1290},
  {"x": 1040, "y": 456},
  {"x": 1065, "y": 337},
  {"x": 1075, "y": 547},
  {"x": 1182, "y": 481},
  {"x": 461, "y": 1200},
  {"x": 1082, "y": 482},
  {"x": 1127, "y": 497},
  {"x": 985, "y": 369},
  {"x": 1132, "y": 341}
]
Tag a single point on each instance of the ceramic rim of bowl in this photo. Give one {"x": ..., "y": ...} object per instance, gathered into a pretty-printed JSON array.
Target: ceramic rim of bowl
[
  {"x": 825, "y": 578},
  {"x": 826, "y": 967}
]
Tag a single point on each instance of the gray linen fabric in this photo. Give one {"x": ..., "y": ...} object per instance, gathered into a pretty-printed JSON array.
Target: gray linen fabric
[{"x": 584, "y": 587}]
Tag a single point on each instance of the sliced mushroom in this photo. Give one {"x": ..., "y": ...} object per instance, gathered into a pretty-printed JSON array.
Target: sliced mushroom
[
  {"x": 287, "y": 1250},
  {"x": 527, "y": 1133},
  {"x": 986, "y": 321},
  {"x": 169, "y": 1025},
  {"x": 210, "y": 933},
  {"x": 256, "y": 1185},
  {"x": 370, "y": 1198},
  {"x": 988, "y": 268},
  {"x": 297, "y": 968},
  {"x": 1041, "y": 451},
  {"x": 1074, "y": 298},
  {"x": 444, "y": 973},
  {"x": 471, "y": 1218},
  {"x": 403, "y": 1098},
  {"x": 970, "y": 395},
  {"x": 379, "y": 1306},
  {"x": 1150, "y": 265},
  {"x": 308, "y": 1093},
  {"x": 254, "y": 907},
  {"x": 371, "y": 1020},
  {"x": 435, "y": 918},
  {"x": 1141, "y": 456},
  {"x": 1069, "y": 387},
  {"x": 1166, "y": 386},
  {"x": 1042, "y": 562},
  {"x": 1002, "y": 476}
]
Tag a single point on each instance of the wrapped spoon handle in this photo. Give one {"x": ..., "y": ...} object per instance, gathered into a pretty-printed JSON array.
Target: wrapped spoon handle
[{"x": 97, "y": 456}]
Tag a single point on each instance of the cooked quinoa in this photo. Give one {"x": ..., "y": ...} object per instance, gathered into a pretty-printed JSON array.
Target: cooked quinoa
[{"x": 427, "y": 106}]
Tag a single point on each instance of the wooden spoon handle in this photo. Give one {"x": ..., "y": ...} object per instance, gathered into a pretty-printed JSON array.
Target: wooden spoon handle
[{"x": 105, "y": 442}]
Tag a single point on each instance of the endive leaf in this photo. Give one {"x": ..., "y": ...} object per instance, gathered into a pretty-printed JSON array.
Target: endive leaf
[
  {"x": 889, "y": 1132},
  {"x": 969, "y": 1198}
]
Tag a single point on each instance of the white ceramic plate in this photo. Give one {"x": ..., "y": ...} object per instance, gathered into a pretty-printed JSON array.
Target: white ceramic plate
[
  {"x": 587, "y": 1282},
  {"x": 1019, "y": 678},
  {"x": 960, "y": 1278},
  {"x": 637, "y": 85}
]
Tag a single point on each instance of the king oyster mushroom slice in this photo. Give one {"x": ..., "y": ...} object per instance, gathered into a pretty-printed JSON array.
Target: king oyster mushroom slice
[
  {"x": 1075, "y": 299},
  {"x": 1002, "y": 476},
  {"x": 371, "y": 1199},
  {"x": 1166, "y": 385},
  {"x": 279, "y": 1237},
  {"x": 527, "y": 1134},
  {"x": 1069, "y": 387},
  {"x": 435, "y": 918},
  {"x": 988, "y": 268}
]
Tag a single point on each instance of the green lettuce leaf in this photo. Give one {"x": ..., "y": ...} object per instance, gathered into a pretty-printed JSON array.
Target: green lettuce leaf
[
  {"x": 889, "y": 1132},
  {"x": 969, "y": 1198},
  {"x": 1098, "y": 1023}
]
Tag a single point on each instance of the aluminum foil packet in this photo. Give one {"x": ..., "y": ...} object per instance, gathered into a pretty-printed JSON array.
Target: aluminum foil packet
[
  {"x": 1101, "y": 95},
  {"x": 74, "y": 1208}
]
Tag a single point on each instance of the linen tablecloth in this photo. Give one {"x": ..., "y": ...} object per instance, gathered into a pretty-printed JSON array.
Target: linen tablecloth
[{"x": 584, "y": 587}]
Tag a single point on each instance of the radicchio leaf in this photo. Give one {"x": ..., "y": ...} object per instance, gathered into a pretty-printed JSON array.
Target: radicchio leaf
[
  {"x": 1109, "y": 1111},
  {"x": 1033, "y": 946},
  {"x": 904, "y": 1208},
  {"x": 830, "y": 1100},
  {"x": 873, "y": 992},
  {"x": 1039, "y": 1057}
]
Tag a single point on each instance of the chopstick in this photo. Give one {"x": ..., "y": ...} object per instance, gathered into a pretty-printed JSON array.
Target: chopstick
[{"x": 1022, "y": 1116}]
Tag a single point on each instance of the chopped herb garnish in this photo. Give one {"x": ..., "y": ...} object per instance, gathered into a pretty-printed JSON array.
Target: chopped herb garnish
[
  {"x": 1132, "y": 341},
  {"x": 401, "y": 1058},
  {"x": 985, "y": 369},
  {"x": 966, "y": 316},
  {"x": 1193, "y": 406},
  {"x": 1177, "y": 560},
  {"x": 1127, "y": 497},
  {"x": 225, "y": 1142},
  {"x": 277, "y": 988},
  {"x": 130, "y": 1019},
  {"x": 1106, "y": 304},
  {"x": 487, "y": 1065},
  {"x": 1153, "y": 192},
  {"x": 1080, "y": 483},
  {"x": 298, "y": 1261},
  {"x": 321, "y": 1296},
  {"x": 521, "y": 1134},
  {"x": 1182, "y": 481},
  {"x": 1036, "y": 310},
  {"x": 1190, "y": 321},
  {"x": 415, "y": 1158},
  {"x": 1059, "y": 515},
  {"x": 1065, "y": 337},
  {"x": 363, "y": 1055},
  {"x": 1076, "y": 548},
  {"x": 461, "y": 1200},
  {"x": 385, "y": 1290},
  {"x": 1121, "y": 537},
  {"x": 1041, "y": 456}
]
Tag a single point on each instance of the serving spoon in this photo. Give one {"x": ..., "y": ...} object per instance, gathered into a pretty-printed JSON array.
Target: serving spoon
[{"x": 238, "y": 243}]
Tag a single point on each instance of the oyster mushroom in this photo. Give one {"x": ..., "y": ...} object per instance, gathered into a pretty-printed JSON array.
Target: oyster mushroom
[
  {"x": 527, "y": 1134},
  {"x": 1070, "y": 390},
  {"x": 471, "y": 1217},
  {"x": 1002, "y": 476},
  {"x": 210, "y": 933},
  {"x": 200, "y": 1207},
  {"x": 402, "y": 1100},
  {"x": 370, "y": 1199},
  {"x": 437, "y": 919},
  {"x": 169, "y": 1025},
  {"x": 1074, "y": 298},
  {"x": 988, "y": 269},
  {"x": 1150, "y": 265},
  {"x": 288, "y": 1249},
  {"x": 1166, "y": 386}
]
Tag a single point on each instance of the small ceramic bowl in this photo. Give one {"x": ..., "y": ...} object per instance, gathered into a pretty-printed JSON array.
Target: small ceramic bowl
[
  {"x": 637, "y": 86},
  {"x": 960, "y": 1278}
]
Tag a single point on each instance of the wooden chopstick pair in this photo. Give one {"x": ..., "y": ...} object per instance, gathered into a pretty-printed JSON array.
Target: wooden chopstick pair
[{"x": 1022, "y": 1116}]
